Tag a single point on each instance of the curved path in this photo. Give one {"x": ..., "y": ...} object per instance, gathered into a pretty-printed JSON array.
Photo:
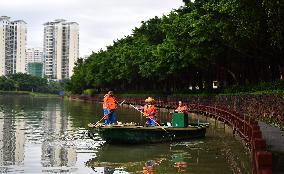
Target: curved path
[
  {"x": 274, "y": 138},
  {"x": 247, "y": 128}
]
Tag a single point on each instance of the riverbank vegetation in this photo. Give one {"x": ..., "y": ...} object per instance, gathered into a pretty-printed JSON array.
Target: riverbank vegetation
[
  {"x": 234, "y": 43},
  {"x": 20, "y": 83}
]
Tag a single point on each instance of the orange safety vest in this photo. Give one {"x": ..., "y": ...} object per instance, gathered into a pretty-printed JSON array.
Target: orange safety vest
[
  {"x": 150, "y": 167},
  {"x": 111, "y": 103},
  {"x": 105, "y": 102},
  {"x": 182, "y": 109},
  {"x": 149, "y": 111}
]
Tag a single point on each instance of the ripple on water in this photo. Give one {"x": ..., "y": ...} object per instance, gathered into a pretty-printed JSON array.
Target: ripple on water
[{"x": 47, "y": 136}]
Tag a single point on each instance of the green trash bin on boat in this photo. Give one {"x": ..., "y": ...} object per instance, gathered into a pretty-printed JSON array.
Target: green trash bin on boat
[{"x": 180, "y": 120}]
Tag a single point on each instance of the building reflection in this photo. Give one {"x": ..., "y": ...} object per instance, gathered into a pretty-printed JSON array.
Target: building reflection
[
  {"x": 25, "y": 121},
  {"x": 54, "y": 151},
  {"x": 12, "y": 140},
  {"x": 19, "y": 141}
]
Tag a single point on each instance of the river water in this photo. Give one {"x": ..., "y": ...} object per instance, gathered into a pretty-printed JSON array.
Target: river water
[{"x": 49, "y": 135}]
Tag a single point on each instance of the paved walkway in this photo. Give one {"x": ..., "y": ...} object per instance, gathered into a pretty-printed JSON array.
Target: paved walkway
[{"x": 274, "y": 137}]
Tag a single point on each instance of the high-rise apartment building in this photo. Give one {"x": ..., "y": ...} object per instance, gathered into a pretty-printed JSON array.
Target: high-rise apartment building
[
  {"x": 34, "y": 61},
  {"x": 12, "y": 46},
  {"x": 60, "y": 48},
  {"x": 34, "y": 55}
]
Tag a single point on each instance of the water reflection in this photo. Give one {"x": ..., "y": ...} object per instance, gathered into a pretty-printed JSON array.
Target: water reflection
[
  {"x": 12, "y": 140},
  {"x": 45, "y": 135},
  {"x": 54, "y": 124},
  {"x": 161, "y": 158},
  {"x": 182, "y": 167},
  {"x": 37, "y": 136},
  {"x": 197, "y": 156},
  {"x": 150, "y": 167},
  {"x": 124, "y": 159}
]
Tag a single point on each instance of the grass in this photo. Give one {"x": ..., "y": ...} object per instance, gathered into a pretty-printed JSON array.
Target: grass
[
  {"x": 35, "y": 94},
  {"x": 251, "y": 93}
]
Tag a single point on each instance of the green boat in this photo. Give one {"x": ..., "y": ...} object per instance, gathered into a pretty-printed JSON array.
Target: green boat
[{"x": 131, "y": 133}]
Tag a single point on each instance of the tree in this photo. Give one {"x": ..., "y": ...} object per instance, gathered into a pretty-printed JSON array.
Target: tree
[{"x": 223, "y": 40}]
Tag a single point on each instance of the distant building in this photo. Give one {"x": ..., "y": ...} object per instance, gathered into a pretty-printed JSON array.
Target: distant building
[
  {"x": 34, "y": 55},
  {"x": 34, "y": 61},
  {"x": 35, "y": 69},
  {"x": 60, "y": 48},
  {"x": 12, "y": 46}
]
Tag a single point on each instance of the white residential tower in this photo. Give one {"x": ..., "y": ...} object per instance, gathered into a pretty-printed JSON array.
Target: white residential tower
[
  {"x": 60, "y": 48},
  {"x": 34, "y": 55},
  {"x": 12, "y": 46}
]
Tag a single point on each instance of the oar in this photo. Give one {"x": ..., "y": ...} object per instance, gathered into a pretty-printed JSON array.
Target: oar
[
  {"x": 101, "y": 119},
  {"x": 150, "y": 118},
  {"x": 107, "y": 114},
  {"x": 121, "y": 102}
]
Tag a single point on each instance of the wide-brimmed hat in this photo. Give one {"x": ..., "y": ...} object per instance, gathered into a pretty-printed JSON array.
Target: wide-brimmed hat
[{"x": 149, "y": 100}]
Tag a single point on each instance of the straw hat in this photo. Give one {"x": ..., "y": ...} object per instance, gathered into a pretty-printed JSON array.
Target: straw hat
[{"x": 149, "y": 100}]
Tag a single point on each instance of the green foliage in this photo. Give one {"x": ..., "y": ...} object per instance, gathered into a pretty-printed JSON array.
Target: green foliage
[
  {"x": 25, "y": 82},
  {"x": 77, "y": 82},
  {"x": 89, "y": 91},
  {"x": 203, "y": 41},
  {"x": 264, "y": 87},
  {"x": 6, "y": 83}
]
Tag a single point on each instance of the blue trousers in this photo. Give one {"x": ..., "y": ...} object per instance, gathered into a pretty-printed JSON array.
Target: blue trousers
[
  {"x": 111, "y": 117},
  {"x": 151, "y": 121}
]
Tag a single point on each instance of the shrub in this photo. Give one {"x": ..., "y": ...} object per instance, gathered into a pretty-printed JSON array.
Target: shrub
[{"x": 89, "y": 92}]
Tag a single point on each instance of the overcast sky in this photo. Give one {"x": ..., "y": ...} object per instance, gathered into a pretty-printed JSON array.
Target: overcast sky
[{"x": 100, "y": 21}]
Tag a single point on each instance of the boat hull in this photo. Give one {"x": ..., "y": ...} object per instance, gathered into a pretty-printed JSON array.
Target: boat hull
[{"x": 142, "y": 135}]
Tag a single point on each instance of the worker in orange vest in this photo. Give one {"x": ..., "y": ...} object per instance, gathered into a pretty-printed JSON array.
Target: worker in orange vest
[
  {"x": 109, "y": 106},
  {"x": 105, "y": 104},
  {"x": 150, "y": 112},
  {"x": 150, "y": 167},
  {"x": 182, "y": 108}
]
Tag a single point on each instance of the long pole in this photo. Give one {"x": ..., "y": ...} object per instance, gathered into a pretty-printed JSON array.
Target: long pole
[
  {"x": 107, "y": 114},
  {"x": 121, "y": 103},
  {"x": 101, "y": 119},
  {"x": 150, "y": 118}
]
